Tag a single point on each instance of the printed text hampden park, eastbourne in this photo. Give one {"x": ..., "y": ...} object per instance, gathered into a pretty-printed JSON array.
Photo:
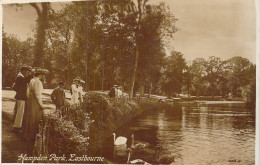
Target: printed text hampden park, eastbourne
[{"x": 54, "y": 158}]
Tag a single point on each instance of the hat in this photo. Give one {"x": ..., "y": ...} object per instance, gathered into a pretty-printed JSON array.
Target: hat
[
  {"x": 77, "y": 79},
  {"x": 61, "y": 83},
  {"x": 115, "y": 86},
  {"x": 82, "y": 81},
  {"x": 25, "y": 68},
  {"x": 40, "y": 70}
]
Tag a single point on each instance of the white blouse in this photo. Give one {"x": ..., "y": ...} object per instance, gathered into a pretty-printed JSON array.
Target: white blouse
[{"x": 35, "y": 88}]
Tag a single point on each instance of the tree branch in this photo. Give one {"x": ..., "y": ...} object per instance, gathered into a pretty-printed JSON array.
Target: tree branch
[{"x": 34, "y": 5}]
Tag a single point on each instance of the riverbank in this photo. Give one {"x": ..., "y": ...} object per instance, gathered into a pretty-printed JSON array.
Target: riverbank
[{"x": 124, "y": 111}]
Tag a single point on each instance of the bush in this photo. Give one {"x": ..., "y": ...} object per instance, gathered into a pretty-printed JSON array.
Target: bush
[
  {"x": 249, "y": 94},
  {"x": 84, "y": 127}
]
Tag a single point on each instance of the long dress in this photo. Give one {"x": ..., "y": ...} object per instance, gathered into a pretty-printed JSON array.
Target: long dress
[
  {"x": 34, "y": 112},
  {"x": 75, "y": 94},
  {"x": 81, "y": 93}
]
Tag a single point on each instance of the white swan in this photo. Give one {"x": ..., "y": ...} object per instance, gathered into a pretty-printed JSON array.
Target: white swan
[
  {"x": 138, "y": 145},
  {"x": 119, "y": 140}
]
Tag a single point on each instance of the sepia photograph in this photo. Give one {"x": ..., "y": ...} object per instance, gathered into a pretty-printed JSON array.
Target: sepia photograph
[{"x": 129, "y": 82}]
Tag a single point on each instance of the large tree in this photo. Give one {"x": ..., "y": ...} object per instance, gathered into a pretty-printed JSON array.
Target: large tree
[
  {"x": 172, "y": 79},
  {"x": 43, "y": 11},
  {"x": 240, "y": 71}
]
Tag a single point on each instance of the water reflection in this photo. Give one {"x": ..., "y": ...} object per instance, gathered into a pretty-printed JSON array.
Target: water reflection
[{"x": 197, "y": 135}]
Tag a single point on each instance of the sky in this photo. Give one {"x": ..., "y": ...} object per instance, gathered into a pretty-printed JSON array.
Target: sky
[{"x": 221, "y": 28}]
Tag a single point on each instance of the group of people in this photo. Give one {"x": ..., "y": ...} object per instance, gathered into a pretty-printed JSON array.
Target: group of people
[
  {"x": 29, "y": 105},
  {"x": 77, "y": 91},
  {"x": 116, "y": 92},
  {"x": 58, "y": 95},
  {"x": 28, "y": 111}
]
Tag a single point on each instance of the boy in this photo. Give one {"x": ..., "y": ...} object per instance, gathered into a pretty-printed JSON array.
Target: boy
[{"x": 58, "y": 96}]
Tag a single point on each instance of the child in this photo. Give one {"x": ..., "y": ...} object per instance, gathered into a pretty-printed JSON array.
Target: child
[{"x": 58, "y": 96}]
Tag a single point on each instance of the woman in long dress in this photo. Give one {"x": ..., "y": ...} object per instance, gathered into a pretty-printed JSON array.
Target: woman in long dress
[
  {"x": 34, "y": 105},
  {"x": 75, "y": 92},
  {"x": 81, "y": 91}
]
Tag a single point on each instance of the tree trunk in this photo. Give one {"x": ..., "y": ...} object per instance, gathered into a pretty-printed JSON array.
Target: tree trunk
[
  {"x": 142, "y": 90},
  {"x": 94, "y": 82},
  {"x": 134, "y": 72},
  {"x": 103, "y": 70},
  {"x": 132, "y": 84},
  {"x": 150, "y": 90},
  {"x": 42, "y": 25}
]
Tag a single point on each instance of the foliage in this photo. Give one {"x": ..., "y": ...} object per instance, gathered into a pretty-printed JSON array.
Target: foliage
[
  {"x": 214, "y": 74},
  {"x": 240, "y": 72},
  {"x": 43, "y": 11},
  {"x": 171, "y": 81},
  {"x": 107, "y": 118},
  {"x": 197, "y": 71},
  {"x": 120, "y": 42},
  {"x": 60, "y": 137},
  {"x": 15, "y": 55}
]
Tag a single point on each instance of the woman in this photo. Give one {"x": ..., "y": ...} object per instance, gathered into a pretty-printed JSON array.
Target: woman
[
  {"x": 75, "y": 91},
  {"x": 34, "y": 105},
  {"x": 81, "y": 91}
]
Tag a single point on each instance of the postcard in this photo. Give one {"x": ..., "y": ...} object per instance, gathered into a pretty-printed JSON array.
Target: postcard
[{"x": 129, "y": 82}]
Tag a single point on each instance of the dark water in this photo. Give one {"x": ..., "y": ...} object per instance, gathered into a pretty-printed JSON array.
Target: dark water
[{"x": 196, "y": 135}]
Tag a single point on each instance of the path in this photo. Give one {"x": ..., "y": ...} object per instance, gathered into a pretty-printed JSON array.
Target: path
[{"x": 13, "y": 145}]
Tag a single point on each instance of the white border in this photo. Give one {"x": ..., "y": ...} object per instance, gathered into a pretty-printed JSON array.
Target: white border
[{"x": 257, "y": 4}]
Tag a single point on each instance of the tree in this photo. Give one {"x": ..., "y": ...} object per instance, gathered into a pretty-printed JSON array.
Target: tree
[
  {"x": 15, "y": 55},
  {"x": 43, "y": 11},
  {"x": 214, "y": 74},
  {"x": 240, "y": 71},
  {"x": 172, "y": 79},
  {"x": 152, "y": 47}
]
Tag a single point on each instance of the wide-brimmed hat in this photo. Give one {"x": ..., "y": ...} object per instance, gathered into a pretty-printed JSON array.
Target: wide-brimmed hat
[
  {"x": 77, "y": 79},
  {"x": 115, "y": 86},
  {"x": 40, "y": 70},
  {"x": 82, "y": 81}
]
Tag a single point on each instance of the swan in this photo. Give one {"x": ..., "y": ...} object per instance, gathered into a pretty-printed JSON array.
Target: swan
[
  {"x": 163, "y": 159},
  {"x": 138, "y": 145},
  {"x": 119, "y": 140},
  {"x": 136, "y": 161}
]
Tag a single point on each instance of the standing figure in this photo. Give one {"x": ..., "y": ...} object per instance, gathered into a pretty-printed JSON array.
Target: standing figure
[
  {"x": 75, "y": 91},
  {"x": 80, "y": 90},
  {"x": 119, "y": 92},
  {"x": 112, "y": 92},
  {"x": 116, "y": 91},
  {"x": 20, "y": 86},
  {"x": 34, "y": 105},
  {"x": 58, "y": 96}
]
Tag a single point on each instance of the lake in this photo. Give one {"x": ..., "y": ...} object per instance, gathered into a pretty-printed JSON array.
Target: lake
[{"x": 205, "y": 134}]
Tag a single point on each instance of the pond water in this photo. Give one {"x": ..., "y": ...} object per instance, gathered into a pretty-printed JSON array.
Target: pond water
[{"x": 210, "y": 134}]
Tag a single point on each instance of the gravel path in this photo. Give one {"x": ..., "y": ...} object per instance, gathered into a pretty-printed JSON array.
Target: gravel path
[{"x": 13, "y": 145}]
